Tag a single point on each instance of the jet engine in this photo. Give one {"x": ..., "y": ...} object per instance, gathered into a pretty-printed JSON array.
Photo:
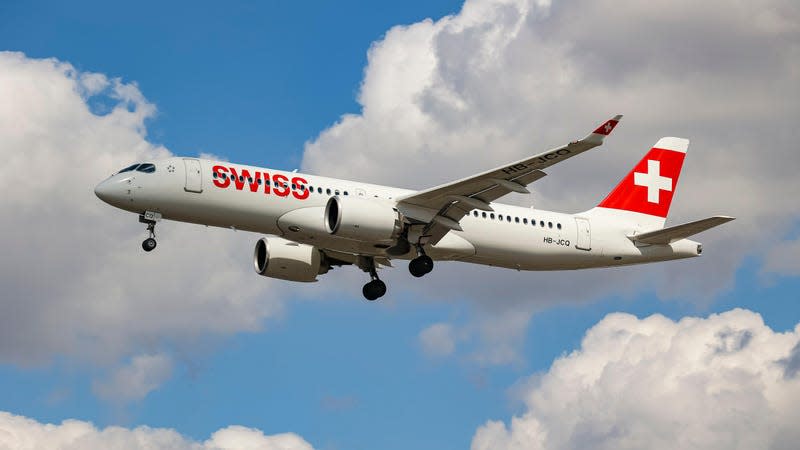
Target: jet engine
[
  {"x": 362, "y": 219},
  {"x": 280, "y": 258}
]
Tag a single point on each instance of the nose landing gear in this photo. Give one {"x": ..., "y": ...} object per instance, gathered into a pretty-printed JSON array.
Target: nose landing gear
[{"x": 150, "y": 219}]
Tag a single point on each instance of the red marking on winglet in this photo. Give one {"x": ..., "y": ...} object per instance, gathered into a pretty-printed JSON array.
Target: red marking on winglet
[{"x": 606, "y": 128}]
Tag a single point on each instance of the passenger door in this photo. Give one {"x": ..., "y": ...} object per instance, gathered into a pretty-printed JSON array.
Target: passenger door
[
  {"x": 194, "y": 175},
  {"x": 584, "y": 241}
]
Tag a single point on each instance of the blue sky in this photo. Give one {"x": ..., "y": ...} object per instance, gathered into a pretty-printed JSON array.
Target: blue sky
[
  {"x": 272, "y": 75},
  {"x": 260, "y": 83}
]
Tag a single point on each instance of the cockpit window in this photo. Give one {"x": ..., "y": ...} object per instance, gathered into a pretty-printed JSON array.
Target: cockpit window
[
  {"x": 146, "y": 168},
  {"x": 129, "y": 168}
]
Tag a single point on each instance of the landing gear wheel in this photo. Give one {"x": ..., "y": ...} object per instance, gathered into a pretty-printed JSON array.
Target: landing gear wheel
[
  {"x": 149, "y": 244},
  {"x": 374, "y": 290},
  {"x": 420, "y": 265}
]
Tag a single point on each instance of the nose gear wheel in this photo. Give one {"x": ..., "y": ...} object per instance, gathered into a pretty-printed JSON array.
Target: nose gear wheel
[{"x": 149, "y": 244}]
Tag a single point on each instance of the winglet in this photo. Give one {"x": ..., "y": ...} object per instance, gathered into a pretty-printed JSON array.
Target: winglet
[{"x": 606, "y": 128}]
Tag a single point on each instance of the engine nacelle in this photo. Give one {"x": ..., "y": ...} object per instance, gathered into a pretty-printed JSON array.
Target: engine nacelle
[
  {"x": 280, "y": 258},
  {"x": 362, "y": 219}
]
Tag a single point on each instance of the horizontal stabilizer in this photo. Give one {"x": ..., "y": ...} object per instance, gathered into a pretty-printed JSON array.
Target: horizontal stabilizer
[{"x": 678, "y": 232}]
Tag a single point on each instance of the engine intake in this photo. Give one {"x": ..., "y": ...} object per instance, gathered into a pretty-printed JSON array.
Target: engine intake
[
  {"x": 362, "y": 219},
  {"x": 280, "y": 258}
]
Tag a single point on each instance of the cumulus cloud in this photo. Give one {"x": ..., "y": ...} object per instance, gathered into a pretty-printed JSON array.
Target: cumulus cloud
[
  {"x": 75, "y": 281},
  {"x": 21, "y": 433},
  {"x": 134, "y": 381},
  {"x": 502, "y": 79},
  {"x": 783, "y": 259},
  {"x": 717, "y": 382},
  {"x": 438, "y": 339}
]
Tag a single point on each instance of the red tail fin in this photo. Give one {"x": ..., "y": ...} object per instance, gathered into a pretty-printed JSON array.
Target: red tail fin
[{"x": 649, "y": 187}]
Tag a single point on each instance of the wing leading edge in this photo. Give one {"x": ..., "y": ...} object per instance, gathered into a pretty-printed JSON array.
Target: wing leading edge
[{"x": 442, "y": 207}]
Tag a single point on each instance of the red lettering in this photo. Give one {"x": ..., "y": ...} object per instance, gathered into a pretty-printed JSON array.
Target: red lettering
[
  {"x": 266, "y": 183},
  {"x": 252, "y": 181},
  {"x": 238, "y": 180},
  {"x": 221, "y": 179},
  {"x": 301, "y": 191},
  {"x": 281, "y": 186}
]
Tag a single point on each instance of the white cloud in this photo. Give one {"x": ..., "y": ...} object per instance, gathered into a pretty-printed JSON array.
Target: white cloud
[
  {"x": 506, "y": 78},
  {"x": 438, "y": 339},
  {"x": 22, "y": 433},
  {"x": 135, "y": 380},
  {"x": 75, "y": 280},
  {"x": 726, "y": 381},
  {"x": 783, "y": 259},
  {"x": 238, "y": 437}
]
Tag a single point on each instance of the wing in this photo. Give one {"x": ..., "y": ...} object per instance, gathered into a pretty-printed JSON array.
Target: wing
[{"x": 442, "y": 207}]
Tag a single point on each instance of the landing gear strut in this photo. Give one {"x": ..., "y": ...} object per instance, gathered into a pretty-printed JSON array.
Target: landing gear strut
[
  {"x": 421, "y": 265},
  {"x": 150, "y": 243},
  {"x": 376, "y": 288}
]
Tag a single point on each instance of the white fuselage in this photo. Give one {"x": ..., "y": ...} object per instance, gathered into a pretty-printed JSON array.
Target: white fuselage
[{"x": 187, "y": 190}]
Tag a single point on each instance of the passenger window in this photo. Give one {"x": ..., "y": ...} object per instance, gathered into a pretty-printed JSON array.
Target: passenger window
[
  {"x": 293, "y": 186},
  {"x": 224, "y": 176},
  {"x": 516, "y": 219},
  {"x": 214, "y": 175},
  {"x": 328, "y": 191},
  {"x": 345, "y": 193},
  {"x": 549, "y": 224},
  {"x": 541, "y": 223},
  {"x": 241, "y": 178},
  {"x": 491, "y": 215},
  {"x": 249, "y": 179},
  {"x": 525, "y": 220},
  {"x": 319, "y": 190},
  {"x": 508, "y": 218},
  {"x": 558, "y": 226},
  {"x": 129, "y": 168},
  {"x": 336, "y": 192},
  {"x": 259, "y": 181},
  {"x": 483, "y": 214}
]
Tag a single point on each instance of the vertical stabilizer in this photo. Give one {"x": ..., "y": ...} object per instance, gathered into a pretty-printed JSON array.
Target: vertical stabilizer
[{"x": 645, "y": 194}]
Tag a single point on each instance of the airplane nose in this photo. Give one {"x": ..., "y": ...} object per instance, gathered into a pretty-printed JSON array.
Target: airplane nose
[
  {"x": 109, "y": 192},
  {"x": 103, "y": 191}
]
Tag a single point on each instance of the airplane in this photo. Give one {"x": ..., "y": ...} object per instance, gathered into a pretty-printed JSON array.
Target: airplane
[{"x": 314, "y": 223}]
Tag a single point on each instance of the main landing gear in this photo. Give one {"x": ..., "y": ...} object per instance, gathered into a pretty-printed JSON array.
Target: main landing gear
[
  {"x": 376, "y": 288},
  {"x": 150, "y": 243},
  {"x": 421, "y": 265}
]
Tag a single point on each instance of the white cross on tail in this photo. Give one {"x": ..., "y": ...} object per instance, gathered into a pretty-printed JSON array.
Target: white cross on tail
[{"x": 653, "y": 181}]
